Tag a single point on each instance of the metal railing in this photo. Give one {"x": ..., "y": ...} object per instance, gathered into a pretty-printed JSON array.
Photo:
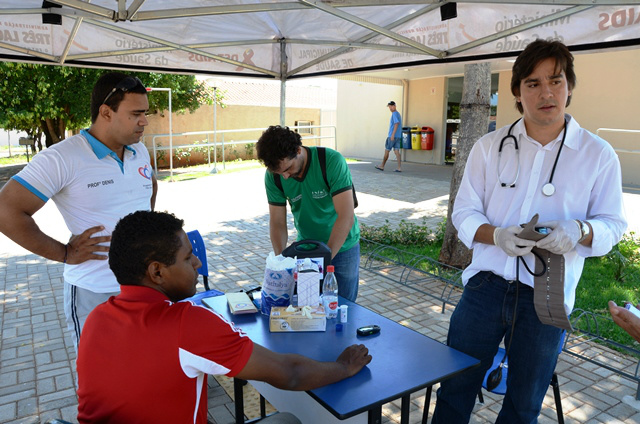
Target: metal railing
[
  {"x": 620, "y": 131},
  {"x": 418, "y": 272},
  {"x": 443, "y": 283},
  {"x": 212, "y": 141}
]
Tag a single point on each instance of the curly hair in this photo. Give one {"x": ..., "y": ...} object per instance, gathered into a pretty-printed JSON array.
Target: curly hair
[
  {"x": 276, "y": 144},
  {"x": 141, "y": 238},
  {"x": 104, "y": 86},
  {"x": 535, "y": 53}
]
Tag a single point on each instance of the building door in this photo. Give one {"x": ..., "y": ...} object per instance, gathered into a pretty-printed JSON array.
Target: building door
[{"x": 454, "y": 97}]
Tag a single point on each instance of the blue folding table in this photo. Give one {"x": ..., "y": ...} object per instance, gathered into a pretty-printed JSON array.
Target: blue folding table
[{"x": 404, "y": 361}]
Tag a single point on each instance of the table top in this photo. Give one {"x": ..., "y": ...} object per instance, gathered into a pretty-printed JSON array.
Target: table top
[{"x": 404, "y": 361}]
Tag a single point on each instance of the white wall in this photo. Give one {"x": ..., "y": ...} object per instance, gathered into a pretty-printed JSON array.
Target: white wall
[
  {"x": 10, "y": 136},
  {"x": 363, "y": 117},
  {"x": 606, "y": 96}
]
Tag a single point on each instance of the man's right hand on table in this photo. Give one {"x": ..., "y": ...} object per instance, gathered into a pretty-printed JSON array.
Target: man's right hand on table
[{"x": 354, "y": 358}]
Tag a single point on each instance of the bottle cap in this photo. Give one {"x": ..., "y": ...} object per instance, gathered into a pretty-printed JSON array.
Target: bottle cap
[
  {"x": 330, "y": 268},
  {"x": 338, "y": 327}
]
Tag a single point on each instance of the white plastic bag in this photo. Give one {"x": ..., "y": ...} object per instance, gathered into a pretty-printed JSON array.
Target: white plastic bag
[{"x": 279, "y": 282}]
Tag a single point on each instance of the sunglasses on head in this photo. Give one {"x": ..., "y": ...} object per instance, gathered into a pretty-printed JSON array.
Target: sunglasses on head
[{"x": 125, "y": 85}]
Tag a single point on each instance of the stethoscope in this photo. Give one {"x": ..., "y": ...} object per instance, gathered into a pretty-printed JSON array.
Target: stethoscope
[{"x": 548, "y": 189}]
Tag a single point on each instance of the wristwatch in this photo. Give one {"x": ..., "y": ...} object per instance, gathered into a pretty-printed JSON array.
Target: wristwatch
[{"x": 585, "y": 230}]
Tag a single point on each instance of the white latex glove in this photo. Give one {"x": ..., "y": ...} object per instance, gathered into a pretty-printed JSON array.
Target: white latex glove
[
  {"x": 507, "y": 239},
  {"x": 562, "y": 239}
]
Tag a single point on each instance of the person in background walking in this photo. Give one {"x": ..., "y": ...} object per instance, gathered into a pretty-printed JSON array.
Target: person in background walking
[{"x": 394, "y": 138}]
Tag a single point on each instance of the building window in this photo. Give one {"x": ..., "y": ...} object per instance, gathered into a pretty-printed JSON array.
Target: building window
[{"x": 304, "y": 124}]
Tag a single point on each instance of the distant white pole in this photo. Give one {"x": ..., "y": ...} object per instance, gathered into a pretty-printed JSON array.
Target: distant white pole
[
  {"x": 215, "y": 130},
  {"x": 283, "y": 81},
  {"x": 9, "y": 141},
  {"x": 170, "y": 129}
]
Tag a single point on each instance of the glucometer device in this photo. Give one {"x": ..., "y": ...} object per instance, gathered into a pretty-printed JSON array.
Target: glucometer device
[{"x": 368, "y": 330}]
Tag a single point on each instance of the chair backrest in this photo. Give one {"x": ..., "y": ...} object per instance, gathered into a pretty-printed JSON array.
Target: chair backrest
[{"x": 197, "y": 243}]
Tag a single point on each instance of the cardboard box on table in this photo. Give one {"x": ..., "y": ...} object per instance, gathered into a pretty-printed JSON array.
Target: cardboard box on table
[
  {"x": 309, "y": 284},
  {"x": 284, "y": 320}
]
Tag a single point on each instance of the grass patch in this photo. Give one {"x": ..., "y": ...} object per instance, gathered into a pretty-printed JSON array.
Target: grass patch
[
  {"x": 199, "y": 171},
  {"x": 615, "y": 276},
  {"x": 15, "y": 159}
]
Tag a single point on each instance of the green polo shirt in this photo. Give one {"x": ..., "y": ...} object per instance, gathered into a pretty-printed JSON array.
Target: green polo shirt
[{"x": 310, "y": 200}]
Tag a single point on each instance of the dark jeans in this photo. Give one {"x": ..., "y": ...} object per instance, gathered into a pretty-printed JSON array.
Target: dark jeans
[
  {"x": 347, "y": 271},
  {"x": 478, "y": 324}
]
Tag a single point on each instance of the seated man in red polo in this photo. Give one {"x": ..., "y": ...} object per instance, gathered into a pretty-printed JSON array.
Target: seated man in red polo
[{"x": 144, "y": 356}]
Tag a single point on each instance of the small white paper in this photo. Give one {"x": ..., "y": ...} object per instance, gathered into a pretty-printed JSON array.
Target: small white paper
[{"x": 308, "y": 288}]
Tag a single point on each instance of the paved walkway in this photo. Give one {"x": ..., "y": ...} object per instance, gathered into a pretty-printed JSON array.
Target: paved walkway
[{"x": 230, "y": 210}]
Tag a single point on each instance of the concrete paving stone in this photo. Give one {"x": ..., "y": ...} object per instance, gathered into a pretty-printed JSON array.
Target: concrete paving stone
[
  {"x": 27, "y": 407},
  {"x": 592, "y": 399},
  {"x": 15, "y": 393},
  {"x": 45, "y": 310},
  {"x": 18, "y": 364},
  {"x": 7, "y": 412},
  {"x": 622, "y": 411},
  {"x": 631, "y": 384},
  {"x": 221, "y": 415},
  {"x": 58, "y": 401},
  {"x": 26, "y": 375},
  {"x": 608, "y": 419},
  {"x": 54, "y": 366},
  {"x": 8, "y": 353},
  {"x": 56, "y": 333},
  {"x": 486, "y": 414},
  {"x": 25, "y": 420},
  {"x": 43, "y": 358},
  {"x": 45, "y": 386},
  {"x": 37, "y": 319},
  {"x": 8, "y": 378},
  {"x": 584, "y": 374},
  {"x": 583, "y": 413},
  {"x": 49, "y": 345},
  {"x": 65, "y": 381},
  {"x": 69, "y": 413},
  {"x": 544, "y": 419},
  {"x": 50, "y": 414},
  {"x": 578, "y": 377},
  {"x": 569, "y": 403},
  {"x": 8, "y": 333},
  {"x": 635, "y": 419},
  {"x": 24, "y": 330},
  {"x": 59, "y": 354}
]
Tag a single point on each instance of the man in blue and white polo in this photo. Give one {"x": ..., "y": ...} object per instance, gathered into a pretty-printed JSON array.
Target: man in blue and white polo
[{"x": 94, "y": 178}]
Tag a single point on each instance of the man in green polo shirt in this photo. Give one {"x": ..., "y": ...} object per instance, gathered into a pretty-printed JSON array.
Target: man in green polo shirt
[{"x": 322, "y": 210}]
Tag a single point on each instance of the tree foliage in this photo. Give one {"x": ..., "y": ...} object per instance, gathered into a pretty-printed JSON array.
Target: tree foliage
[{"x": 48, "y": 100}]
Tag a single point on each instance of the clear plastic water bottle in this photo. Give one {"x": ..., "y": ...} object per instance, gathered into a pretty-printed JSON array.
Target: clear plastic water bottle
[{"x": 330, "y": 293}]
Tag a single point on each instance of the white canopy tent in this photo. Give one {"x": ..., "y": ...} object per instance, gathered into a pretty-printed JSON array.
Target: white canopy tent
[{"x": 300, "y": 38}]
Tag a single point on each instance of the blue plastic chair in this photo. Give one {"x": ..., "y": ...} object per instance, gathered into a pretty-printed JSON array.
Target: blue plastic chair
[
  {"x": 502, "y": 387},
  {"x": 200, "y": 251}
]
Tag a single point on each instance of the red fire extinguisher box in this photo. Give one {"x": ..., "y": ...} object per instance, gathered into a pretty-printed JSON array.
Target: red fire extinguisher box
[{"x": 427, "y": 138}]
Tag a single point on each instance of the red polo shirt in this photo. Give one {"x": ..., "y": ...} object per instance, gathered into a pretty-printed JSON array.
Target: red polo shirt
[{"x": 143, "y": 358}]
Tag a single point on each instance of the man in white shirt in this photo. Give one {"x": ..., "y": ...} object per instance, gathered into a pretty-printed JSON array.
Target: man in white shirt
[
  {"x": 548, "y": 166},
  {"x": 95, "y": 178}
]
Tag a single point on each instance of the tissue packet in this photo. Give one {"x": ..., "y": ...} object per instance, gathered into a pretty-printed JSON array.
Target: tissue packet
[{"x": 284, "y": 320}]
